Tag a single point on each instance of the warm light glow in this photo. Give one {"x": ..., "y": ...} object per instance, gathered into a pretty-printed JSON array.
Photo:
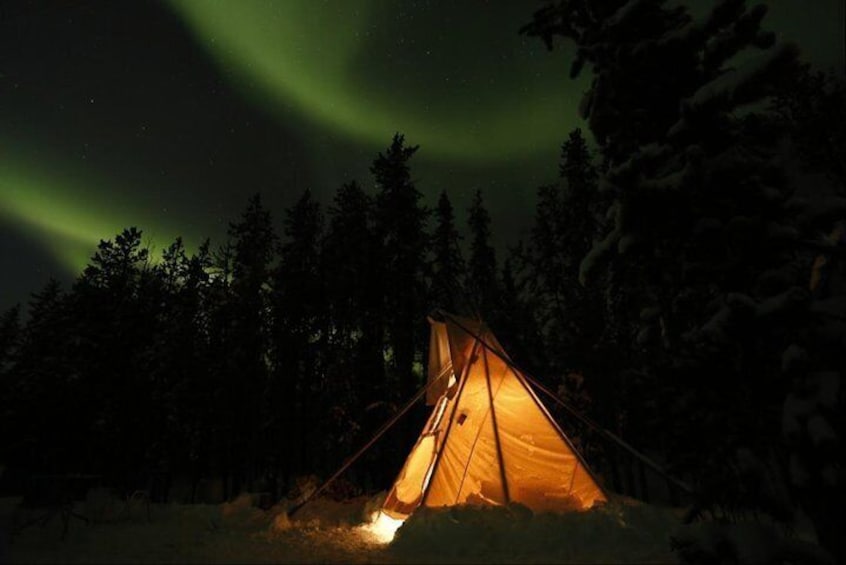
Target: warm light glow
[{"x": 383, "y": 527}]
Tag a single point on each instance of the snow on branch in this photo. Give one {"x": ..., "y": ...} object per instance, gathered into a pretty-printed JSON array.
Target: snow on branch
[
  {"x": 600, "y": 248},
  {"x": 779, "y": 303},
  {"x": 625, "y": 12},
  {"x": 738, "y": 86}
]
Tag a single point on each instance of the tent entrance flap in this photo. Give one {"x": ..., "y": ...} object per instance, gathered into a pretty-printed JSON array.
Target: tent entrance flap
[
  {"x": 410, "y": 486},
  {"x": 440, "y": 371},
  {"x": 417, "y": 471}
]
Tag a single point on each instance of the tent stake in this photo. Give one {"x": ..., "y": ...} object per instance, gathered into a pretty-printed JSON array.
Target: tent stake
[
  {"x": 582, "y": 418},
  {"x": 385, "y": 427}
]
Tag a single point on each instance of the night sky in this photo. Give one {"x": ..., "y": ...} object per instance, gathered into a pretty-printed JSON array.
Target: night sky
[{"x": 168, "y": 115}]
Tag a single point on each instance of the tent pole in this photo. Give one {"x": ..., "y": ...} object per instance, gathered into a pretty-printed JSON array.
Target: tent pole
[
  {"x": 582, "y": 418},
  {"x": 522, "y": 380},
  {"x": 613, "y": 437},
  {"x": 496, "y": 432},
  {"x": 385, "y": 427},
  {"x": 518, "y": 374}
]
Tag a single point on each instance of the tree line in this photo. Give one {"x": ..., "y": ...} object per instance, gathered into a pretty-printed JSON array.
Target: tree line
[{"x": 277, "y": 352}]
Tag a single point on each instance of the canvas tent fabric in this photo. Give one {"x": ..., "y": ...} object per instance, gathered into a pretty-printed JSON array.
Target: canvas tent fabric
[{"x": 489, "y": 440}]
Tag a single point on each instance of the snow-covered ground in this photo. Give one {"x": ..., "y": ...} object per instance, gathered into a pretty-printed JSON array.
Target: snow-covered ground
[{"x": 325, "y": 531}]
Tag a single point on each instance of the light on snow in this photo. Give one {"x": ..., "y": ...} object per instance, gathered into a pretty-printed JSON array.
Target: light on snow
[{"x": 382, "y": 527}]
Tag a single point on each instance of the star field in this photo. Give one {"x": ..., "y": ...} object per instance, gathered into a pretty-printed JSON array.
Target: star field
[{"x": 168, "y": 115}]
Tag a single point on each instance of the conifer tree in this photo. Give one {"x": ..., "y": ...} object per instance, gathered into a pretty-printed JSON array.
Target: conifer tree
[
  {"x": 115, "y": 308},
  {"x": 179, "y": 362},
  {"x": 9, "y": 336},
  {"x": 300, "y": 329},
  {"x": 401, "y": 227},
  {"x": 37, "y": 385},
  {"x": 246, "y": 372},
  {"x": 10, "y": 403},
  {"x": 697, "y": 262},
  {"x": 812, "y": 109},
  {"x": 565, "y": 223},
  {"x": 448, "y": 269},
  {"x": 482, "y": 272},
  {"x": 353, "y": 361}
]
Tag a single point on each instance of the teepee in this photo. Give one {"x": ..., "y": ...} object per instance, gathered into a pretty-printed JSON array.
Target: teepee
[{"x": 489, "y": 440}]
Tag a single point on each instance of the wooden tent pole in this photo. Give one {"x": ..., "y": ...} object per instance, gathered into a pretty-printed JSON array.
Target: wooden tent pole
[
  {"x": 582, "y": 418},
  {"x": 496, "y": 431},
  {"x": 385, "y": 427}
]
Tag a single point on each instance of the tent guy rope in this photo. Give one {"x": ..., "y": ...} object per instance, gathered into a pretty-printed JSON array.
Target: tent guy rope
[
  {"x": 379, "y": 433},
  {"x": 579, "y": 416},
  {"x": 479, "y": 341}
]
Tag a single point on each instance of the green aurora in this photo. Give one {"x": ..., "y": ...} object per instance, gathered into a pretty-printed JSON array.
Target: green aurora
[
  {"x": 63, "y": 216},
  {"x": 335, "y": 78},
  {"x": 352, "y": 67},
  {"x": 346, "y": 71}
]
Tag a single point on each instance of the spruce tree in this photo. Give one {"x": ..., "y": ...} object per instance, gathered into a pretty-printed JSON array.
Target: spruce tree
[
  {"x": 179, "y": 363},
  {"x": 401, "y": 228},
  {"x": 812, "y": 108},
  {"x": 300, "y": 330},
  {"x": 448, "y": 269},
  {"x": 115, "y": 307},
  {"x": 253, "y": 245},
  {"x": 353, "y": 360},
  {"x": 482, "y": 272},
  {"x": 10, "y": 403},
  {"x": 565, "y": 224},
  {"x": 697, "y": 263},
  {"x": 10, "y": 322},
  {"x": 38, "y": 386}
]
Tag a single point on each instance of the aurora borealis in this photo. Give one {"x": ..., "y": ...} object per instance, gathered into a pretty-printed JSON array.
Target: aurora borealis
[
  {"x": 168, "y": 115},
  {"x": 357, "y": 72}
]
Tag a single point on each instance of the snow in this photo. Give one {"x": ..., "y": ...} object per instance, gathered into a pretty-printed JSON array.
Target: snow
[
  {"x": 799, "y": 474},
  {"x": 729, "y": 86},
  {"x": 649, "y": 313},
  {"x": 795, "y": 411},
  {"x": 600, "y": 248},
  {"x": 828, "y": 385},
  {"x": 793, "y": 357},
  {"x": 820, "y": 430},
  {"x": 647, "y": 154},
  {"x": 234, "y": 532},
  {"x": 625, "y": 11},
  {"x": 668, "y": 182},
  {"x": 834, "y": 306},
  {"x": 745, "y": 541},
  {"x": 714, "y": 327},
  {"x": 829, "y": 475},
  {"x": 626, "y": 242},
  {"x": 820, "y": 209},
  {"x": 708, "y": 224},
  {"x": 328, "y": 531},
  {"x": 682, "y": 34},
  {"x": 618, "y": 532},
  {"x": 776, "y": 231},
  {"x": 782, "y": 302}
]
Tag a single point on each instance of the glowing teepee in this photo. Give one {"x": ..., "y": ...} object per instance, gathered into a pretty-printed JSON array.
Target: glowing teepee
[{"x": 489, "y": 439}]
